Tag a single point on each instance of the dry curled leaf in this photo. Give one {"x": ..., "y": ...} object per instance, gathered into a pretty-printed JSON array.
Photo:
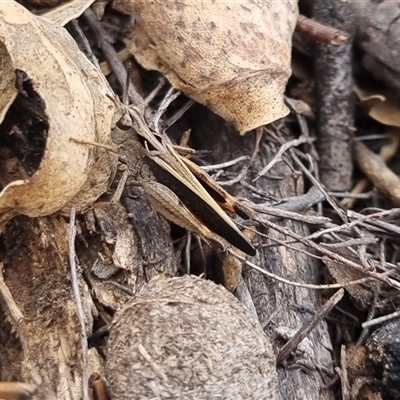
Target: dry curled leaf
[
  {"x": 73, "y": 93},
  {"x": 232, "y": 56},
  {"x": 382, "y": 105},
  {"x": 377, "y": 172},
  {"x": 232, "y": 267},
  {"x": 388, "y": 150},
  {"x": 68, "y": 11},
  {"x": 16, "y": 390}
]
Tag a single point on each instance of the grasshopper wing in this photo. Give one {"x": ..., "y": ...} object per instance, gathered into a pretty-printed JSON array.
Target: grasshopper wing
[{"x": 173, "y": 173}]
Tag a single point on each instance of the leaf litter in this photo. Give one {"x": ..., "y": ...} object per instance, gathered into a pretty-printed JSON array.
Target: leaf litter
[{"x": 357, "y": 243}]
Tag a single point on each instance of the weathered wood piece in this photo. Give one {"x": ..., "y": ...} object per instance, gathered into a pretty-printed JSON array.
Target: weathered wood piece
[
  {"x": 36, "y": 272},
  {"x": 281, "y": 309},
  {"x": 378, "y": 34},
  {"x": 335, "y": 97}
]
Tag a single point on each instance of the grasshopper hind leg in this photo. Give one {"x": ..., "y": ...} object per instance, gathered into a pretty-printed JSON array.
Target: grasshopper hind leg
[{"x": 165, "y": 202}]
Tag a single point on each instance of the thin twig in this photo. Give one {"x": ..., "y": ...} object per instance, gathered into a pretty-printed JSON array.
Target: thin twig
[
  {"x": 254, "y": 189},
  {"x": 352, "y": 242},
  {"x": 150, "y": 97},
  {"x": 278, "y": 156},
  {"x": 84, "y": 44},
  {"x": 271, "y": 317},
  {"x": 380, "y": 320},
  {"x": 178, "y": 114},
  {"x": 381, "y": 224},
  {"x": 365, "y": 330},
  {"x": 295, "y": 216},
  {"x": 237, "y": 179},
  {"x": 15, "y": 313},
  {"x": 188, "y": 246},
  {"x": 202, "y": 258},
  {"x": 78, "y": 302},
  {"x": 226, "y": 164},
  {"x": 126, "y": 290},
  {"x": 330, "y": 254},
  {"x": 111, "y": 55},
  {"x": 358, "y": 221},
  {"x": 94, "y": 144},
  {"x": 349, "y": 195},
  {"x": 291, "y": 345},
  {"x": 342, "y": 372},
  {"x": 323, "y": 33},
  {"x": 297, "y": 284},
  {"x": 316, "y": 183},
  {"x": 14, "y": 310},
  {"x": 171, "y": 96}
]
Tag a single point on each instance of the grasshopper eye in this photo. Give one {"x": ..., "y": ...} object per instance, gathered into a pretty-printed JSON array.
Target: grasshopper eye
[{"x": 125, "y": 122}]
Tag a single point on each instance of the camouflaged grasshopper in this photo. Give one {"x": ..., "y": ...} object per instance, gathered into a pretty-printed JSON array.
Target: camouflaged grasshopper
[{"x": 176, "y": 187}]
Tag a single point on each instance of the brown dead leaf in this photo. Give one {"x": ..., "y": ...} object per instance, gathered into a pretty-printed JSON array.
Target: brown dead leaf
[
  {"x": 74, "y": 94},
  {"x": 378, "y": 172},
  {"x": 16, "y": 390},
  {"x": 388, "y": 150},
  {"x": 232, "y": 267},
  {"x": 233, "y": 56},
  {"x": 383, "y": 105}
]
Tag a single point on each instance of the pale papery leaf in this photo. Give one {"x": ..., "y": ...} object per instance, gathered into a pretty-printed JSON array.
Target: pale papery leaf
[
  {"x": 232, "y": 56},
  {"x": 66, "y": 12},
  {"x": 8, "y": 92},
  {"x": 74, "y": 94}
]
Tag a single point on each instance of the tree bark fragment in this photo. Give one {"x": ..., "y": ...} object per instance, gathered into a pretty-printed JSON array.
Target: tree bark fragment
[
  {"x": 295, "y": 305},
  {"x": 335, "y": 97}
]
